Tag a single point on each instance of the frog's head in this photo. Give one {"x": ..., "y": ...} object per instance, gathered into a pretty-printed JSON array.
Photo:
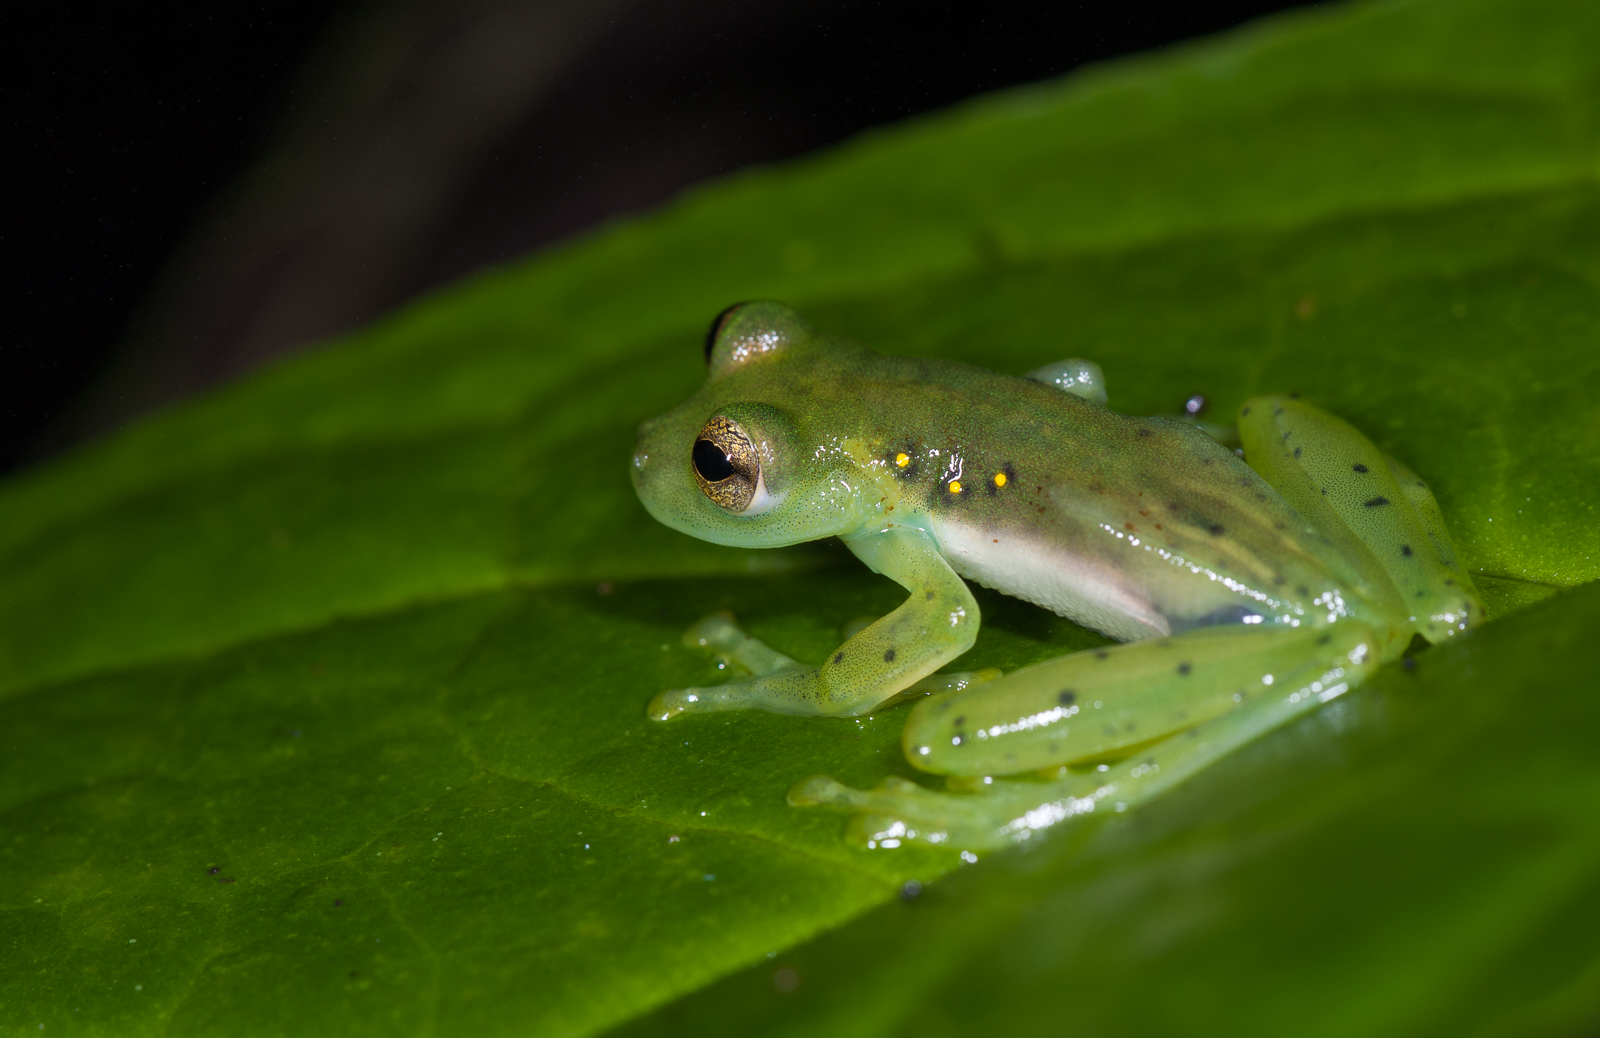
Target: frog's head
[{"x": 735, "y": 463}]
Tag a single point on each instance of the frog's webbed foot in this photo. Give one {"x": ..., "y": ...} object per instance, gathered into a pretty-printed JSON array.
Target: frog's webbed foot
[
  {"x": 771, "y": 675},
  {"x": 892, "y": 656},
  {"x": 897, "y": 811}
]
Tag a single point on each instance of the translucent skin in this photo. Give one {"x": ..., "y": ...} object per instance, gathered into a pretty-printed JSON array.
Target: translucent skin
[{"x": 1321, "y": 555}]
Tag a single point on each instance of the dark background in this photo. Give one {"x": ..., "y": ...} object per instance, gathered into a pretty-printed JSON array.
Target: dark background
[{"x": 192, "y": 190}]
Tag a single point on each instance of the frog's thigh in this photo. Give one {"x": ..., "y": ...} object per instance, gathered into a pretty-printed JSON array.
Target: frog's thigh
[
  {"x": 1105, "y": 702},
  {"x": 1339, "y": 480},
  {"x": 1009, "y": 811},
  {"x": 937, "y": 623}
]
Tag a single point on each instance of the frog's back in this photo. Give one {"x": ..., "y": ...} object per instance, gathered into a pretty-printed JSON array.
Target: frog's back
[{"x": 1137, "y": 527}]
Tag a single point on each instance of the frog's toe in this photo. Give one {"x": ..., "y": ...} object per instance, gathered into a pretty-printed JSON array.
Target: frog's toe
[
  {"x": 674, "y": 701},
  {"x": 898, "y": 811},
  {"x": 825, "y": 790},
  {"x": 717, "y": 631}
]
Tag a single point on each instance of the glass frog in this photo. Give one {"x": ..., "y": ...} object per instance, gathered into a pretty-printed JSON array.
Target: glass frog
[{"x": 1247, "y": 591}]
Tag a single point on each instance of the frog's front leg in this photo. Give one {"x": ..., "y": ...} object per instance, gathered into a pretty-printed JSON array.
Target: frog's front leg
[{"x": 937, "y": 623}]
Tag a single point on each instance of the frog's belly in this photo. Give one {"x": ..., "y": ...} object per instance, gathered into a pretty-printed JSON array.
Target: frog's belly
[{"x": 1086, "y": 589}]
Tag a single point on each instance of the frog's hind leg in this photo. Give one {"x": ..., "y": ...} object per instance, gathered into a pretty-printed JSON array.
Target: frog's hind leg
[
  {"x": 1154, "y": 712},
  {"x": 1377, "y": 510}
]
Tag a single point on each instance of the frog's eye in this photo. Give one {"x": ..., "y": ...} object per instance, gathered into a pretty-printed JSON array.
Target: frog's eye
[
  {"x": 717, "y": 324},
  {"x": 726, "y": 465}
]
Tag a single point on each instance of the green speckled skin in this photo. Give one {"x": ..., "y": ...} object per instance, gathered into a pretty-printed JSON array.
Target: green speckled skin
[{"x": 1316, "y": 561}]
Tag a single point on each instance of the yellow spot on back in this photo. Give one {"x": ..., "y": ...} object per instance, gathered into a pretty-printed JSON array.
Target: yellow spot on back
[
  {"x": 955, "y": 486},
  {"x": 999, "y": 479},
  {"x": 902, "y": 460}
]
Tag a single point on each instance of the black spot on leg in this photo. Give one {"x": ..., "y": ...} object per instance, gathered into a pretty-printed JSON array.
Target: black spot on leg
[
  {"x": 1358, "y": 467},
  {"x": 1184, "y": 668},
  {"x": 1066, "y": 697},
  {"x": 1376, "y": 502},
  {"x": 1405, "y": 549},
  {"x": 838, "y": 657},
  {"x": 888, "y": 657}
]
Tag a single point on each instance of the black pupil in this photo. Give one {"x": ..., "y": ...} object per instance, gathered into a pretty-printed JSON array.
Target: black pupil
[{"x": 712, "y": 464}]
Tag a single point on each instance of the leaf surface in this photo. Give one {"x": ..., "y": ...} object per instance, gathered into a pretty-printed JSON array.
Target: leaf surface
[{"x": 321, "y": 698}]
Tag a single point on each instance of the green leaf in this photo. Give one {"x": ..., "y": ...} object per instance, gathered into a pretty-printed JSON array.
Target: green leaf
[{"x": 321, "y": 698}]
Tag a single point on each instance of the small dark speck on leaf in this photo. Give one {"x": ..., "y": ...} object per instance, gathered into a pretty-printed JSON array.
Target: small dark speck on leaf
[
  {"x": 1216, "y": 529},
  {"x": 1375, "y": 502},
  {"x": 213, "y": 870},
  {"x": 1358, "y": 467},
  {"x": 1408, "y": 663},
  {"x": 838, "y": 657},
  {"x": 1067, "y": 697},
  {"x": 1297, "y": 452},
  {"x": 1405, "y": 549},
  {"x": 1184, "y": 668},
  {"x": 338, "y": 901},
  {"x": 888, "y": 657},
  {"x": 1101, "y": 654}
]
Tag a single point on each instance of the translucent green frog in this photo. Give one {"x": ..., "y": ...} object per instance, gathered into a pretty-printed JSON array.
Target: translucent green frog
[{"x": 1248, "y": 591}]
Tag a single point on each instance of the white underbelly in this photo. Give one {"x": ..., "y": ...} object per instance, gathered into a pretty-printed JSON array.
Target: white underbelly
[{"x": 1090, "y": 591}]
